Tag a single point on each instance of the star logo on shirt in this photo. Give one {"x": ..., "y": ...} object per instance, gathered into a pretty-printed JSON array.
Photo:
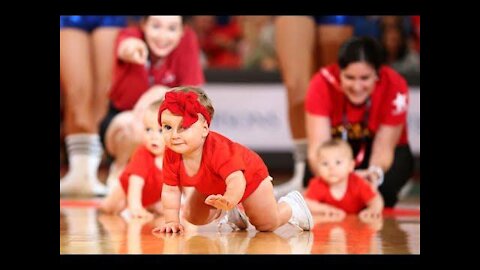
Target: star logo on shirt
[{"x": 400, "y": 103}]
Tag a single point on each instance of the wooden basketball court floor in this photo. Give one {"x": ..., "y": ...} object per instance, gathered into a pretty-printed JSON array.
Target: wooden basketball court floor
[{"x": 85, "y": 231}]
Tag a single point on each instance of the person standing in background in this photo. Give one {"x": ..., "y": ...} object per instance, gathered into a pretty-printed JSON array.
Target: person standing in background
[
  {"x": 86, "y": 58},
  {"x": 303, "y": 44}
]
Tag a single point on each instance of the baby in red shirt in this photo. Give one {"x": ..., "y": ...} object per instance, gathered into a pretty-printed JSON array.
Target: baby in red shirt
[
  {"x": 141, "y": 182},
  {"x": 338, "y": 191},
  {"x": 222, "y": 172}
]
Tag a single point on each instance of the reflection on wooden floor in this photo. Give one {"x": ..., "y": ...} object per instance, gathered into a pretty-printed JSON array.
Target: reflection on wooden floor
[{"x": 84, "y": 231}]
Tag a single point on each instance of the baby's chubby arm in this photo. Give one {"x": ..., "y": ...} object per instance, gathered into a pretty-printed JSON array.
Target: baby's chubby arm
[
  {"x": 134, "y": 197},
  {"x": 236, "y": 184},
  {"x": 326, "y": 210},
  {"x": 171, "y": 208}
]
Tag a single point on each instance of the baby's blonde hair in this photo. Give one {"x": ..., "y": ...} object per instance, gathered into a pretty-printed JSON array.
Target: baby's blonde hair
[
  {"x": 202, "y": 97},
  {"x": 335, "y": 143}
]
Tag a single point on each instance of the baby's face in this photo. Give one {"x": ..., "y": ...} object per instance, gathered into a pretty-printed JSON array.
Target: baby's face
[
  {"x": 334, "y": 164},
  {"x": 152, "y": 136},
  {"x": 183, "y": 140}
]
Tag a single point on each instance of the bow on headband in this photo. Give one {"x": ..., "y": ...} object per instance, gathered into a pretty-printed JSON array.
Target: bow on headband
[{"x": 185, "y": 105}]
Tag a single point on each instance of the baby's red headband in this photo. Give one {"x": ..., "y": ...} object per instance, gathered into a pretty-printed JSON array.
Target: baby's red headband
[{"x": 183, "y": 104}]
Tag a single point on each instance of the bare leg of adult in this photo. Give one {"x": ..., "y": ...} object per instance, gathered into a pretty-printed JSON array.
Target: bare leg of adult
[
  {"x": 330, "y": 39},
  {"x": 103, "y": 40},
  {"x": 82, "y": 141},
  {"x": 295, "y": 44}
]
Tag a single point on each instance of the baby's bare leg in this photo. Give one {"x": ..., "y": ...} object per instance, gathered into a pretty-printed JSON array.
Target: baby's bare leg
[
  {"x": 263, "y": 210},
  {"x": 115, "y": 202}
]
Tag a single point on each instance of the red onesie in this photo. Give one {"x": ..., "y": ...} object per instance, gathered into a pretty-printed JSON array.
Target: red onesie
[
  {"x": 220, "y": 158},
  {"x": 142, "y": 163},
  {"x": 358, "y": 193}
]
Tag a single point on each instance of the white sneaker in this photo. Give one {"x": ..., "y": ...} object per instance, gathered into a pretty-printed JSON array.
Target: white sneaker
[
  {"x": 301, "y": 216},
  {"x": 235, "y": 218},
  {"x": 71, "y": 185}
]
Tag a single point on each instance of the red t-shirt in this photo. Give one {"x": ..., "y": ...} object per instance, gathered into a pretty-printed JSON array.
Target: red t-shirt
[
  {"x": 220, "y": 158},
  {"x": 142, "y": 163},
  {"x": 358, "y": 193},
  {"x": 181, "y": 67},
  {"x": 389, "y": 100}
]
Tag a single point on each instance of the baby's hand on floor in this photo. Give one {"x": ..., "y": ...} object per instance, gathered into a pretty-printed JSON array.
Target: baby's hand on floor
[
  {"x": 368, "y": 215},
  {"x": 219, "y": 201},
  {"x": 173, "y": 227},
  {"x": 333, "y": 213}
]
